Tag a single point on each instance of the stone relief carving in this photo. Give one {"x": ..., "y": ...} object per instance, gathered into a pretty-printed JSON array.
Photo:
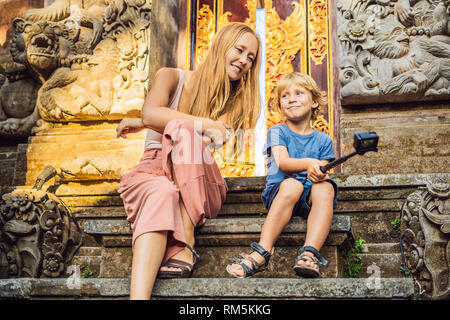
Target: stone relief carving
[
  {"x": 392, "y": 51},
  {"x": 101, "y": 165},
  {"x": 18, "y": 93},
  {"x": 425, "y": 233},
  {"x": 90, "y": 59},
  {"x": 38, "y": 236}
]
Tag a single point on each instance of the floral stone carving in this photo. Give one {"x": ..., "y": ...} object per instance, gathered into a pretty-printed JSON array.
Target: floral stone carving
[
  {"x": 38, "y": 236},
  {"x": 394, "y": 50},
  {"x": 92, "y": 61},
  {"x": 425, "y": 234}
]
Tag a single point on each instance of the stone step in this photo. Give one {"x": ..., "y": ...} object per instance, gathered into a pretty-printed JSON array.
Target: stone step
[
  {"x": 95, "y": 207},
  {"x": 374, "y": 248},
  {"x": 112, "y": 197},
  {"x": 375, "y": 227},
  {"x": 212, "y": 263},
  {"x": 351, "y": 187},
  {"x": 212, "y": 288},
  {"x": 218, "y": 241},
  {"x": 88, "y": 259},
  {"x": 384, "y": 265},
  {"x": 216, "y": 226}
]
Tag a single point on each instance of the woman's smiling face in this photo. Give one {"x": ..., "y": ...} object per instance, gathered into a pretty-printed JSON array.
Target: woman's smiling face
[{"x": 241, "y": 56}]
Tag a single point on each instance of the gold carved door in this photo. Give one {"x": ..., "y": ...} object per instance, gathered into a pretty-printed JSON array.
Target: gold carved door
[{"x": 297, "y": 38}]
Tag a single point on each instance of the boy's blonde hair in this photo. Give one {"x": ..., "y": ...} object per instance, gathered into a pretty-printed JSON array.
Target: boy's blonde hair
[{"x": 305, "y": 81}]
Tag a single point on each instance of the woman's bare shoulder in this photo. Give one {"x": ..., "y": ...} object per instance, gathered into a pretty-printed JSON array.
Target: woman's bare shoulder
[
  {"x": 166, "y": 72},
  {"x": 166, "y": 79}
]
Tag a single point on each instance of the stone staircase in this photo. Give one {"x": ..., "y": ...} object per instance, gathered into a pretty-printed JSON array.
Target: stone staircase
[{"x": 367, "y": 205}]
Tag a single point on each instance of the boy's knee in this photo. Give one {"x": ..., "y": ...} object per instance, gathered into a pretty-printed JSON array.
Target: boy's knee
[
  {"x": 323, "y": 189},
  {"x": 291, "y": 189}
]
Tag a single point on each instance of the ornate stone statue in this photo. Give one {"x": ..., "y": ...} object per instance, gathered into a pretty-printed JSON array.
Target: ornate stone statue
[
  {"x": 38, "y": 235},
  {"x": 18, "y": 92},
  {"x": 78, "y": 13},
  {"x": 88, "y": 59},
  {"x": 397, "y": 50},
  {"x": 425, "y": 233}
]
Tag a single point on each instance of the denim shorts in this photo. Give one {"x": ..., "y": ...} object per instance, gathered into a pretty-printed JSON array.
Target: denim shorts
[{"x": 302, "y": 207}]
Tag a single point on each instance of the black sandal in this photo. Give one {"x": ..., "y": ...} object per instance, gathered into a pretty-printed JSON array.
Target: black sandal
[
  {"x": 307, "y": 271},
  {"x": 186, "y": 269},
  {"x": 248, "y": 272}
]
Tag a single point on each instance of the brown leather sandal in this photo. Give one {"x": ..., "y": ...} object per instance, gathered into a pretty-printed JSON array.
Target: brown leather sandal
[
  {"x": 305, "y": 270},
  {"x": 185, "y": 269}
]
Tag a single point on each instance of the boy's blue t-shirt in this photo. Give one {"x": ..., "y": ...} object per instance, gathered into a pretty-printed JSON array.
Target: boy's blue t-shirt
[{"x": 317, "y": 145}]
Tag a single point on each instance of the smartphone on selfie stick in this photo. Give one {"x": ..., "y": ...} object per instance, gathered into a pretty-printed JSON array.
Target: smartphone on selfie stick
[{"x": 362, "y": 142}]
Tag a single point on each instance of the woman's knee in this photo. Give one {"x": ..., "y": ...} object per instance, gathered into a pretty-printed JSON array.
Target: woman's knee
[
  {"x": 291, "y": 190},
  {"x": 168, "y": 190}
]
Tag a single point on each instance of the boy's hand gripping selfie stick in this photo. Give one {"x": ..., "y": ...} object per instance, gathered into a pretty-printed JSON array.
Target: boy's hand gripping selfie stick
[{"x": 362, "y": 142}]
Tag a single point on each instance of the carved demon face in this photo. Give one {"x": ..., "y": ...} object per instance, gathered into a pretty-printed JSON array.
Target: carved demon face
[{"x": 43, "y": 43}]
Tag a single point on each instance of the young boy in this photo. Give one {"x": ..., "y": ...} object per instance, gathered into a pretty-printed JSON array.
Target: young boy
[{"x": 295, "y": 183}]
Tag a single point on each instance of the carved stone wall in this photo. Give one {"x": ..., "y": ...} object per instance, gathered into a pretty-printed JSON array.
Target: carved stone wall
[
  {"x": 38, "y": 236},
  {"x": 394, "y": 59},
  {"x": 394, "y": 51},
  {"x": 83, "y": 66},
  {"x": 425, "y": 231},
  {"x": 18, "y": 90}
]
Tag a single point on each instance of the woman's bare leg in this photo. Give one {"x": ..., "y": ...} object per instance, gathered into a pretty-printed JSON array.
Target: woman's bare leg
[
  {"x": 188, "y": 226},
  {"x": 148, "y": 253}
]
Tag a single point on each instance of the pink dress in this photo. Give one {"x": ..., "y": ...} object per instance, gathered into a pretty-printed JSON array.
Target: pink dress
[{"x": 152, "y": 199}]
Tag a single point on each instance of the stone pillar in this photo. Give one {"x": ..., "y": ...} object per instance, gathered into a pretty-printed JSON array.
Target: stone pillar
[{"x": 425, "y": 234}]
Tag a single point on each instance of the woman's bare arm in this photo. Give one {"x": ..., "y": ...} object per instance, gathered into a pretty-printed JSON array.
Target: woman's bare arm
[{"x": 155, "y": 112}]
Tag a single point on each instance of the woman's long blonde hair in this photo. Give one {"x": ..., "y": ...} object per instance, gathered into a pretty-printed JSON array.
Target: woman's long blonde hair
[{"x": 213, "y": 93}]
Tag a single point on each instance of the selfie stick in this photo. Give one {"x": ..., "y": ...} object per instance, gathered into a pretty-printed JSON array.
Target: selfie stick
[{"x": 362, "y": 142}]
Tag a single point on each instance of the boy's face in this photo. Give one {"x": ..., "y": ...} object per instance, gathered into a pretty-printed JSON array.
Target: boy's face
[{"x": 296, "y": 103}]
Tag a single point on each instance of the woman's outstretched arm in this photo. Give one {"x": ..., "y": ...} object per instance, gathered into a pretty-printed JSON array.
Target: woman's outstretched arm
[{"x": 156, "y": 114}]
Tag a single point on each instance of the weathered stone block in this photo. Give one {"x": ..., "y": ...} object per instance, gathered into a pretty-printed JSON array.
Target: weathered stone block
[
  {"x": 374, "y": 227},
  {"x": 381, "y": 265},
  {"x": 214, "y": 288},
  {"x": 411, "y": 141},
  {"x": 214, "y": 260},
  {"x": 116, "y": 263}
]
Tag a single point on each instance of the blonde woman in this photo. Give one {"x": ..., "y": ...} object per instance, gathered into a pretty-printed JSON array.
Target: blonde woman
[{"x": 177, "y": 184}]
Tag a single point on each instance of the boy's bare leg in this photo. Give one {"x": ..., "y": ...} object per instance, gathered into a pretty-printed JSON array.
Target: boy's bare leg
[
  {"x": 148, "y": 253},
  {"x": 320, "y": 217},
  {"x": 277, "y": 218}
]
